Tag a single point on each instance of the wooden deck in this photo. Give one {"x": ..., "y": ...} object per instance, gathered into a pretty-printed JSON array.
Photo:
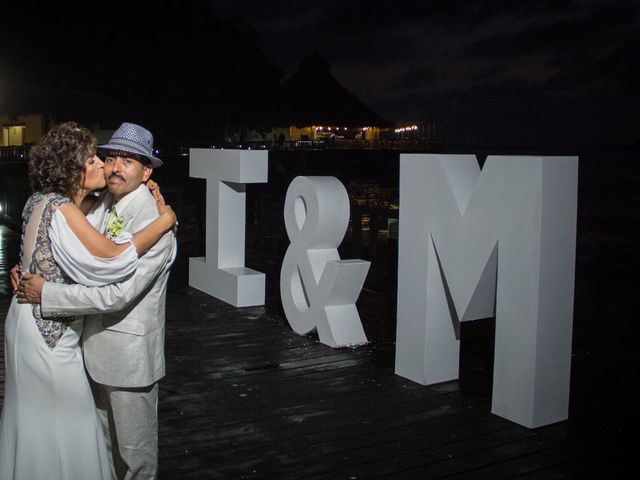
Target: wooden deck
[{"x": 245, "y": 397}]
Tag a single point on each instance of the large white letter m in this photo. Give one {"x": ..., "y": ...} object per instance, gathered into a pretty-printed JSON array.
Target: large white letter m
[{"x": 474, "y": 244}]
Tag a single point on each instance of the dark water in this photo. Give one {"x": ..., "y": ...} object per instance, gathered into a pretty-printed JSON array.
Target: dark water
[{"x": 9, "y": 253}]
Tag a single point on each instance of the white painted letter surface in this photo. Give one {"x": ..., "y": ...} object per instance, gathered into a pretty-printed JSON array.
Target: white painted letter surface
[
  {"x": 221, "y": 273},
  {"x": 474, "y": 244}
]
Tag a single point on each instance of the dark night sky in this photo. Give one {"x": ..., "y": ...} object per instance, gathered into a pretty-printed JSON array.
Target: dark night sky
[{"x": 540, "y": 72}]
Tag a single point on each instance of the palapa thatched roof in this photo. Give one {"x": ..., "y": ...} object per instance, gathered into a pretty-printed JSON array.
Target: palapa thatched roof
[{"x": 312, "y": 96}]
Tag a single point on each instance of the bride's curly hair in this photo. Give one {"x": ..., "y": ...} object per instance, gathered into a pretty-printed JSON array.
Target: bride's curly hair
[{"x": 57, "y": 162}]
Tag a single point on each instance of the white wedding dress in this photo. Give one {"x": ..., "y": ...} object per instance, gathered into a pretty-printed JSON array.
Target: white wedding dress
[{"x": 49, "y": 427}]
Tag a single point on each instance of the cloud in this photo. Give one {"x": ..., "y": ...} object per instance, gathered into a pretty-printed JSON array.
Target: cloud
[
  {"x": 599, "y": 28},
  {"x": 434, "y": 14},
  {"x": 611, "y": 73},
  {"x": 465, "y": 61},
  {"x": 420, "y": 77},
  {"x": 375, "y": 15}
]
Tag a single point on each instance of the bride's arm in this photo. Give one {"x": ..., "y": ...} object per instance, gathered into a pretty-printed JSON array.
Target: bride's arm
[{"x": 100, "y": 246}]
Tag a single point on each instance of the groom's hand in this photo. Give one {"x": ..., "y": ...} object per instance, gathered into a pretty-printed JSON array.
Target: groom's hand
[{"x": 30, "y": 288}]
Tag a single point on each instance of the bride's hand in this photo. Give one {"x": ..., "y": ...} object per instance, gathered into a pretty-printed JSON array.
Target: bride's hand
[
  {"x": 165, "y": 211},
  {"x": 154, "y": 188},
  {"x": 14, "y": 274}
]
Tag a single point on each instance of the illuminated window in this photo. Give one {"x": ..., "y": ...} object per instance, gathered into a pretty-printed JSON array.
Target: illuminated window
[{"x": 13, "y": 135}]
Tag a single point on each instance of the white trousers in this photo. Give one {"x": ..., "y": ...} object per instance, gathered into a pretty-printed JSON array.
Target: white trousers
[{"x": 130, "y": 420}]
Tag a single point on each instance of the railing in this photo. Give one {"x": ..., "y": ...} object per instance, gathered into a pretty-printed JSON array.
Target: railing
[
  {"x": 14, "y": 186},
  {"x": 406, "y": 145},
  {"x": 18, "y": 154},
  {"x": 356, "y": 144},
  {"x": 13, "y": 154}
]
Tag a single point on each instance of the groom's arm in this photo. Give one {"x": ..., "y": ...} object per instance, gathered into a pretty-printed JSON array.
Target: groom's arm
[{"x": 62, "y": 300}]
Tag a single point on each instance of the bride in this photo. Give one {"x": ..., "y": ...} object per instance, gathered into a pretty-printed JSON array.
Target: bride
[{"x": 49, "y": 427}]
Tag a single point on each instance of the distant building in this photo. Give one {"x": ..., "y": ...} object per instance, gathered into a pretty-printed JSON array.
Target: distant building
[
  {"x": 20, "y": 130},
  {"x": 27, "y": 112},
  {"x": 313, "y": 105}
]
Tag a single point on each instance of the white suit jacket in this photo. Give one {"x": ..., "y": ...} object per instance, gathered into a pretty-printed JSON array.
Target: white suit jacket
[{"x": 123, "y": 341}]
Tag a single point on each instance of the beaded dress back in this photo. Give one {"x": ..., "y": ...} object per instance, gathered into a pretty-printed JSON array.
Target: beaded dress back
[{"x": 36, "y": 257}]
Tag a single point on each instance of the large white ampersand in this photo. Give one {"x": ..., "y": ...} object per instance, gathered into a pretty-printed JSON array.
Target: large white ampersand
[{"x": 318, "y": 290}]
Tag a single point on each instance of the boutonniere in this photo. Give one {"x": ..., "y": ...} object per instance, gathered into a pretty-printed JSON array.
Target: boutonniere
[{"x": 114, "y": 228}]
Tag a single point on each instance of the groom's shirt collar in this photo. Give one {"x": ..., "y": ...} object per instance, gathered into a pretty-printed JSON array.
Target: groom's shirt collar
[{"x": 128, "y": 198}]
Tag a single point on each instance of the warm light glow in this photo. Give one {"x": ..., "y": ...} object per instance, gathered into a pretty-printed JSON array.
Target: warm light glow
[{"x": 406, "y": 129}]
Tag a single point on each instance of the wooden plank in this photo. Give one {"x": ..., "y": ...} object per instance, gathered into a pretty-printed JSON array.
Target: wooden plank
[
  {"x": 551, "y": 460},
  {"x": 410, "y": 460},
  {"x": 246, "y": 397}
]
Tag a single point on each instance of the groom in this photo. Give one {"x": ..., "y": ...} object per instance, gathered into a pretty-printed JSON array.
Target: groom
[{"x": 123, "y": 349}]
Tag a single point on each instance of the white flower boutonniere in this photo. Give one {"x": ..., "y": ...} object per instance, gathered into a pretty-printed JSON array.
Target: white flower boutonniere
[{"x": 114, "y": 228}]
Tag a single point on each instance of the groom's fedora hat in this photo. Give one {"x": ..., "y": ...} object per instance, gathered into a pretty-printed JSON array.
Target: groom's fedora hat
[{"x": 132, "y": 139}]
